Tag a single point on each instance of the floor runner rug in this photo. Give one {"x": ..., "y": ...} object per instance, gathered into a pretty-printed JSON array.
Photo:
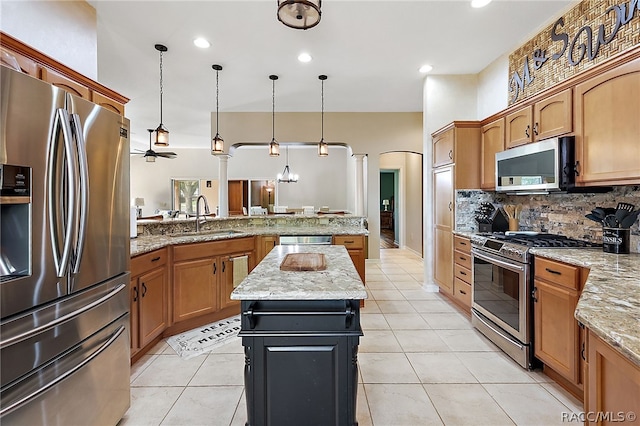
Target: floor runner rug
[{"x": 203, "y": 339}]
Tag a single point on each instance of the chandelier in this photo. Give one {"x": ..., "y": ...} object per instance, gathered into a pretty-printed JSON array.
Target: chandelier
[
  {"x": 299, "y": 14},
  {"x": 287, "y": 176}
]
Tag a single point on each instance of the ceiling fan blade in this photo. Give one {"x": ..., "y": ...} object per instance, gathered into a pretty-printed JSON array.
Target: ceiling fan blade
[{"x": 166, "y": 154}]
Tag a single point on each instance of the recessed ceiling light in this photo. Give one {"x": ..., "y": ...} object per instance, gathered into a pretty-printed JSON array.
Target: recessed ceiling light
[
  {"x": 201, "y": 43},
  {"x": 425, "y": 69},
  {"x": 479, "y": 3},
  {"x": 304, "y": 57}
]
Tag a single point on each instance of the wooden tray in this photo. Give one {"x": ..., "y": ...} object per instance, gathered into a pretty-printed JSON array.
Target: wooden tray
[{"x": 304, "y": 262}]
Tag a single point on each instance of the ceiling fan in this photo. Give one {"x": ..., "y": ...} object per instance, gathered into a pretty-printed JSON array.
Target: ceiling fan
[{"x": 150, "y": 155}]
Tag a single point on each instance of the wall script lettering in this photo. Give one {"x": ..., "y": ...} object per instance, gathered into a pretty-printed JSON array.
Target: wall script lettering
[{"x": 586, "y": 43}]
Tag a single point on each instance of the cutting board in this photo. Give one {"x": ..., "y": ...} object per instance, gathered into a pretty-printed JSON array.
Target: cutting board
[{"x": 304, "y": 262}]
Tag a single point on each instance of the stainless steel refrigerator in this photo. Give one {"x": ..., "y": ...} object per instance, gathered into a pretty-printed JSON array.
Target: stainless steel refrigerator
[{"x": 64, "y": 257}]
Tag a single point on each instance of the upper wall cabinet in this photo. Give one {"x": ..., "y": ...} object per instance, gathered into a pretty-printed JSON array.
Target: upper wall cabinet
[
  {"x": 443, "y": 148},
  {"x": 15, "y": 54},
  {"x": 607, "y": 121},
  {"x": 544, "y": 119},
  {"x": 492, "y": 142}
]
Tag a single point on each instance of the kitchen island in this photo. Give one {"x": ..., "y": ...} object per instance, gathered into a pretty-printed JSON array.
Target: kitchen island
[{"x": 301, "y": 331}]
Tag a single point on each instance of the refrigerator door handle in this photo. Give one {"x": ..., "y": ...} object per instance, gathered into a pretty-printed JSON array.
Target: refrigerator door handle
[
  {"x": 39, "y": 329},
  {"x": 83, "y": 174},
  {"x": 55, "y": 191},
  {"x": 51, "y": 384}
]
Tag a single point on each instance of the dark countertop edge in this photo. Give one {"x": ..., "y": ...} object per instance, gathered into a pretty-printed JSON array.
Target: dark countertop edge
[{"x": 155, "y": 242}]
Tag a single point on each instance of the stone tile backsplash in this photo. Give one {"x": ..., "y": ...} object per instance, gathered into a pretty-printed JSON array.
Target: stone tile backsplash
[{"x": 554, "y": 213}]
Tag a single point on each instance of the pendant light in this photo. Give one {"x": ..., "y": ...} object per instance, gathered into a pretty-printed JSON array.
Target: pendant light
[
  {"x": 217, "y": 143},
  {"x": 299, "y": 14},
  {"x": 323, "y": 147},
  {"x": 286, "y": 176},
  {"x": 162, "y": 134},
  {"x": 274, "y": 147}
]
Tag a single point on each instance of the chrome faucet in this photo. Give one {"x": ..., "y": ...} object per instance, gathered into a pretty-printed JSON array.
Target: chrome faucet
[{"x": 206, "y": 211}]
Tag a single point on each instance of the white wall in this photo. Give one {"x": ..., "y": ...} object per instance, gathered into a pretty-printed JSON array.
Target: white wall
[
  {"x": 63, "y": 30},
  {"x": 493, "y": 87},
  {"x": 321, "y": 179}
]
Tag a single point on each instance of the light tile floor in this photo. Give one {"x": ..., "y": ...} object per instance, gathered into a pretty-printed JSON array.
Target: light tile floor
[{"x": 421, "y": 363}]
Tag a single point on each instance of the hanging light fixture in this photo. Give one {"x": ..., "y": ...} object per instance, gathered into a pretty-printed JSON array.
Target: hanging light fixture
[
  {"x": 217, "y": 143},
  {"x": 299, "y": 14},
  {"x": 286, "y": 176},
  {"x": 323, "y": 147},
  {"x": 274, "y": 147},
  {"x": 162, "y": 134}
]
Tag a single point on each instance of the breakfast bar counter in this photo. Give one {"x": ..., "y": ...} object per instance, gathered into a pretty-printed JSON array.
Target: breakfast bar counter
[{"x": 301, "y": 330}]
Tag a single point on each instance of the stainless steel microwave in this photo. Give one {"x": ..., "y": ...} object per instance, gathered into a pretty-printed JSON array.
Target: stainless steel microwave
[{"x": 539, "y": 167}]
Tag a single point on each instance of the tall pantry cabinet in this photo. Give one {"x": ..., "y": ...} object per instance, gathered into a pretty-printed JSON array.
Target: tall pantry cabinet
[{"x": 456, "y": 159}]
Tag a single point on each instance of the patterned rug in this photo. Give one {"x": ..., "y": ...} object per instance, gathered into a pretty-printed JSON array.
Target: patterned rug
[{"x": 203, "y": 339}]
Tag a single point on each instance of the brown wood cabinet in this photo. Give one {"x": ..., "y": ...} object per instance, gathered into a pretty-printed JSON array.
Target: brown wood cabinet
[
  {"x": 462, "y": 271},
  {"x": 612, "y": 385},
  {"x": 607, "y": 125},
  {"x": 492, "y": 141},
  {"x": 355, "y": 245},
  {"x": 201, "y": 274},
  {"x": 557, "y": 334},
  {"x": 264, "y": 244},
  {"x": 149, "y": 298},
  {"x": 459, "y": 140},
  {"x": 386, "y": 219},
  {"x": 544, "y": 119},
  {"x": 41, "y": 66}
]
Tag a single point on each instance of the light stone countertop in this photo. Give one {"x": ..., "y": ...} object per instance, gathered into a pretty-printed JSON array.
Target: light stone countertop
[
  {"x": 339, "y": 281},
  {"x": 610, "y": 302},
  {"x": 146, "y": 243}
]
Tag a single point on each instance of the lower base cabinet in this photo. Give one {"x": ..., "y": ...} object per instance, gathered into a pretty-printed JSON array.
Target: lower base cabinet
[
  {"x": 301, "y": 361},
  {"x": 612, "y": 388}
]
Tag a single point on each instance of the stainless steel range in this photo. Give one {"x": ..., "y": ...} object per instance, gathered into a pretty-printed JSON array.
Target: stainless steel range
[{"x": 502, "y": 306}]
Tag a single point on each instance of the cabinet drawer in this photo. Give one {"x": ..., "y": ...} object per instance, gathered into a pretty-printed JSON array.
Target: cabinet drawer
[
  {"x": 212, "y": 248},
  {"x": 462, "y": 291},
  {"x": 462, "y": 244},
  {"x": 146, "y": 262},
  {"x": 462, "y": 273},
  {"x": 349, "y": 241},
  {"x": 462, "y": 259},
  {"x": 559, "y": 273}
]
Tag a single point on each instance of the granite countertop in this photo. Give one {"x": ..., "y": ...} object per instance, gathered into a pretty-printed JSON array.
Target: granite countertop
[
  {"x": 610, "y": 302},
  {"x": 338, "y": 282},
  {"x": 146, "y": 243}
]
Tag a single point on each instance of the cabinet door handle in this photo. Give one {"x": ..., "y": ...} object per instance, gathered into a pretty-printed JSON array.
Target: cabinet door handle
[
  {"x": 577, "y": 168},
  {"x": 144, "y": 289},
  {"x": 551, "y": 271},
  {"x": 526, "y": 131},
  {"x": 223, "y": 266},
  {"x": 215, "y": 268},
  {"x": 135, "y": 294},
  {"x": 450, "y": 206},
  {"x": 462, "y": 243},
  {"x": 582, "y": 353},
  {"x": 535, "y": 129},
  {"x": 450, "y": 154},
  {"x": 155, "y": 259},
  {"x": 463, "y": 273},
  {"x": 463, "y": 292},
  {"x": 461, "y": 258},
  {"x": 349, "y": 242},
  {"x": 534, "y": 293}
]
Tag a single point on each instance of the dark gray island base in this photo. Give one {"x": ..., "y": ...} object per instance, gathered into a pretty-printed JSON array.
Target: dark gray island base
[
  {"x": 301, "y": 361},
  {"x": 300, "y": 331}
]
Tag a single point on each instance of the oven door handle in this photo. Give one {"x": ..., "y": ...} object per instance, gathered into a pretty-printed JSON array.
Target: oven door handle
[
  {"x": 498, "y": 331},
  {"x": 501, "y": 263}
]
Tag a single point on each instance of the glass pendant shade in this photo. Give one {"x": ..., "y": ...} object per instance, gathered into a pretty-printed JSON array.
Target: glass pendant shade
[
  {"x": 162, "y": 136},
  {"x": 299, "y": 14},
  {"x": 217, "y": 143},
  {"x": 323, "y": 148},
  {"x": 274, "y": 148},
  {"x": 150, "y": 159}
]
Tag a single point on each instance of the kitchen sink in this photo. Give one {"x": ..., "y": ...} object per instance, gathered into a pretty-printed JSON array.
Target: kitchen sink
[{"x": 209, "y": 232}]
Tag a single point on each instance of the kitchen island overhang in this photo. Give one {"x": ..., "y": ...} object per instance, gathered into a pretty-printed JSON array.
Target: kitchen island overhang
[{"x": 301, "y": 332}]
